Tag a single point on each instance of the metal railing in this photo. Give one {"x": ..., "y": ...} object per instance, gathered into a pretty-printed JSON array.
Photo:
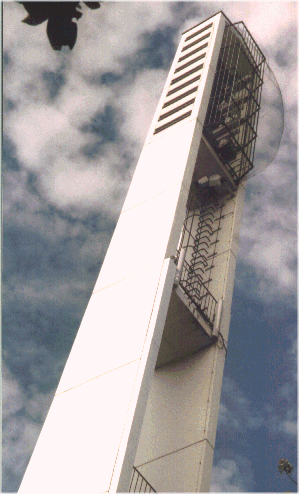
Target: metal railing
[
  {"x": 198, "y": 294},
  {"x": 139, "y": 483},
  {"x": 197, "y": 249}
]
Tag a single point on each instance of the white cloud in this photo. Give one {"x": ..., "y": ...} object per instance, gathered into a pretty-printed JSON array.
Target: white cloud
[
  {"x": 19, "y": 202},
  {"x": 42, "y": 132},
  {"x": 48, "y": 137},
  {"x": 236, "y": 410},
  {"x": 268, "y": 233},
  {"x": 290, "y": 427},
  {"x": 140, "y": 100},
  {"x": 226, "y": 477},
  {"x": 111, "y": 33},
  {"x": 265, "y": 20},
  {"x": 19, "y": 438},
  {"x": 20, "y": 432},
  {"x": 283, "y": 421},
  {"x": 37, "y": 291},
  {"x": 49, "y": 145},
  {"x": 89, "y": 188},
  {"x": 12, "y": 396},
  {"x": 46, "y": 134},
  {"x": 79, "y": 99},
  {"x": 27, "y": 59}
]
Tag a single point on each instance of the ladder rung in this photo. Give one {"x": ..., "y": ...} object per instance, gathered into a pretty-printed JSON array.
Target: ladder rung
[
  {"x": 211, "y": 267},
  {"x": 207, "y": 281}
]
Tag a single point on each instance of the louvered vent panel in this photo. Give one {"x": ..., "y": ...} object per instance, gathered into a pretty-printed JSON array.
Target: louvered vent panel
[
  {"x": 193, "y": 52},
  {"x": 183, "y": 87}
]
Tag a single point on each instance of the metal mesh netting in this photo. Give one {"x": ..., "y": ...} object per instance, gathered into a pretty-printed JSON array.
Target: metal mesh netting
[
  {"x": 233, "y": 111},
  {"x": 244, "y": 120}
]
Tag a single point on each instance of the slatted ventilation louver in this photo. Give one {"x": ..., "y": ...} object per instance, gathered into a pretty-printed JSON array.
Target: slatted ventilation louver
[
  {"x": 175, "y": 106},
  {"x": 182, "y": 67},
  {"x": 195, "y": 42},
  {"x": 178, "y": 88},
  {"x": 193, "y": 52},
  {"x": 174, "y": 100},
  {"x": 199, "y": 32}
]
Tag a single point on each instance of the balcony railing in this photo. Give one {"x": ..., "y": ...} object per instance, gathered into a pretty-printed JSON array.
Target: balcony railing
[
  {"x": 139, "y": 483},
  {"x": 198, "y": 294}
]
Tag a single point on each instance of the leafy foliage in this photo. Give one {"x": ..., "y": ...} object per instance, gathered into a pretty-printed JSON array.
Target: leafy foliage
[
  {"x": 61, "y": 29},
  {"x": 284, "y": 466}
]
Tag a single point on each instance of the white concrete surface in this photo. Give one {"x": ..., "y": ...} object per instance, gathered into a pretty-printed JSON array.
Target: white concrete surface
[
  {"x": 143, "y": 236},
  {"x": 164, "y": 163},
  {"x": 100, "y": 326},
  {"x": 69, "y": 455},
  {"x": 91, "y": 434},
  {"x": 182, "y": 412},
  {"x": 181, "y": 416},
  {"x": 176, "y": 472}
]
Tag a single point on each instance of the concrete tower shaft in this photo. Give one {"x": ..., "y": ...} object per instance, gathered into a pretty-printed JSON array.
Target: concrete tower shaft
[{"x": 141, "y": 388}]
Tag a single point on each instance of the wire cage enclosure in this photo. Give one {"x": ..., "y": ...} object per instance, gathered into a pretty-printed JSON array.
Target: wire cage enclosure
[
  {"x": 232, "y": 116},
  {"x": 198, "y": 244}
]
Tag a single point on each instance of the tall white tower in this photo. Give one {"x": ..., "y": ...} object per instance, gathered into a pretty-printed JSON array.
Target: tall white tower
[{"x": 137, "y": 404}]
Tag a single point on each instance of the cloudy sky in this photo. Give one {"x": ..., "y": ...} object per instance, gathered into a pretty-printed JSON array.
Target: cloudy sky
[{"x": 74, "y": 126}]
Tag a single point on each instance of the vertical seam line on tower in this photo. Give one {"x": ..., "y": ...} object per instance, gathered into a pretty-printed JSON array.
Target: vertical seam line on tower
[{"x": 137, "y": 373}]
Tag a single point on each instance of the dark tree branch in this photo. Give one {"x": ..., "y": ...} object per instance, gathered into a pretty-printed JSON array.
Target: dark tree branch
[{"x": 292, "y": 479}]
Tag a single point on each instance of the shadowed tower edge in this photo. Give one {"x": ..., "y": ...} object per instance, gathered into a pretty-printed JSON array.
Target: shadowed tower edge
[{"x": 137, "y": 405}]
